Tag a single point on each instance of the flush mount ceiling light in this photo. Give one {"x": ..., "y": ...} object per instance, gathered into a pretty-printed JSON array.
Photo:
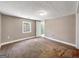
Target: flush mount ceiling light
[{"x": 42, "y": 12}]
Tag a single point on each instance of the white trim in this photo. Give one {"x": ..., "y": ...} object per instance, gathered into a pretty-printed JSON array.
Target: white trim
[
  {"x": 77, "y": 25},
  {"x": 0, "y": 28},
  {"x": 60, "y": 41},
  {"x": 16, "y": 40}
]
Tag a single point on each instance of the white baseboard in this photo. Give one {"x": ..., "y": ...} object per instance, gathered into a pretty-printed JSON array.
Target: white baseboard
[
  {"x": 60, "y": 41},
  {"x": 16, "y": 40},
  {"x": 34, "y": 37}
]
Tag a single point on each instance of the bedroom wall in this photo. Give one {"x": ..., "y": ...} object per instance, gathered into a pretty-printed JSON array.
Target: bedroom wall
[
  {"x": 12, "y": 28},
  {"x": 62, "y": 28}
]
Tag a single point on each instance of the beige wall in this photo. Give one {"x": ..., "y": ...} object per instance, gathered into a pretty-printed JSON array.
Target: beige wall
[
  {"x": 0, "y": 28},
  {"x": 62, "y": 28},
  {"x": 12, "y": 28}
]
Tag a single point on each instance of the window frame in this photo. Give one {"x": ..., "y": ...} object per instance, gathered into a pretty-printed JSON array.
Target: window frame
[{"x": 24, "y": 25}]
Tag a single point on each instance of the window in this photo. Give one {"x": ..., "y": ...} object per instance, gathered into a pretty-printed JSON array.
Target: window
[{"x": 26, "y": 27}]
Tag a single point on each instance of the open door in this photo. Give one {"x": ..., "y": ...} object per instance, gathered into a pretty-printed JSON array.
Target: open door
[{"x": 40, "y": 28}]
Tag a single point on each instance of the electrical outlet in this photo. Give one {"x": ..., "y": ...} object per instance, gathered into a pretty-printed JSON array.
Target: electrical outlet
[{"x": 8, "y": 37}]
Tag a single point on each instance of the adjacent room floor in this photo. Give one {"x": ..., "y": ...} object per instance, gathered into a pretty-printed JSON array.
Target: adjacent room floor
[{"x": 38, "y": 48}]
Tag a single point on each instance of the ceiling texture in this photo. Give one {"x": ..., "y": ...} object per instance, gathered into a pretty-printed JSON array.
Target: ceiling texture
[{"x": 31, "y": 9}]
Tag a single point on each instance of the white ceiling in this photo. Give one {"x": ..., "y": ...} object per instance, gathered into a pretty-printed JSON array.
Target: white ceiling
[{"x": 30, "y": 9}]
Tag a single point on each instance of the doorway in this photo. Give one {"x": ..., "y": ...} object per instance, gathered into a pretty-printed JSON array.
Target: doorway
[{"x": 40, "y": 28}]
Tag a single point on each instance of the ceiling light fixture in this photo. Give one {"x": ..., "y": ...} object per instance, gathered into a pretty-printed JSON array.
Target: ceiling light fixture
[{"x": 42, "y": 12}]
